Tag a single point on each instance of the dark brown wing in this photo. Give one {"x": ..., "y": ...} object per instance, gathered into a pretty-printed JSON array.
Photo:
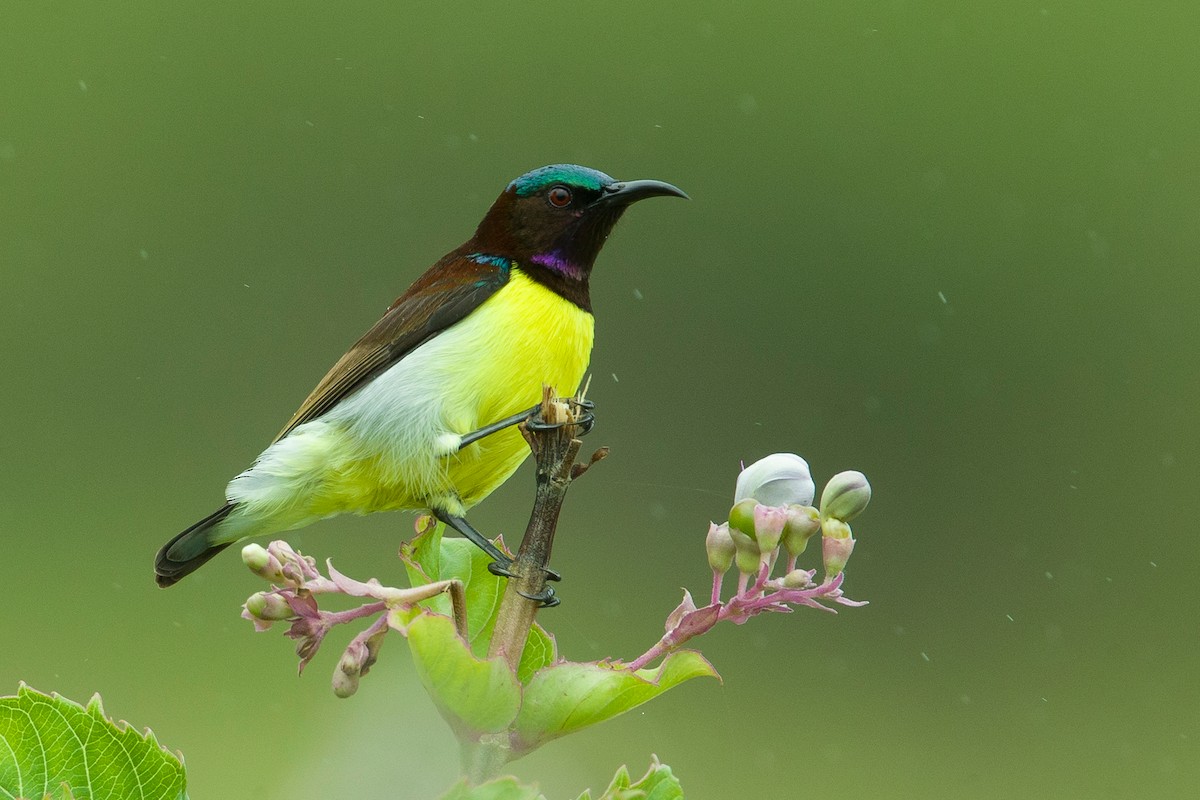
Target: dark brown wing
[{"x": 448, "y": 292}]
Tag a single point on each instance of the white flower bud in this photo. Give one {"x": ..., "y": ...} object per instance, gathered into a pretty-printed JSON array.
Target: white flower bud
[{"x": 777, "y": 480}]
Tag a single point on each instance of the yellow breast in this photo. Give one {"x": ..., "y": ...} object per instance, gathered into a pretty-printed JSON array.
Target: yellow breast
[{"x": 522, "y": 337}]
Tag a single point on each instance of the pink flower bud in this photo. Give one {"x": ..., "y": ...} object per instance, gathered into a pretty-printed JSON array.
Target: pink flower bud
[
  {"x": 768, "y": 526},
  {"x": 345, "y": 684},
  {"x": 349, "y": 669},
  {"x": 836, "y": 552},
  {"x": 720, "y": 547},
  {"x": 295, "y": 567}
]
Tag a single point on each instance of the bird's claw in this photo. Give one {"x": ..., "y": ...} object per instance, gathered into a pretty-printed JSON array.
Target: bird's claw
[
  {"x": 585, "y": 422},
  {"x": 545, "y": 598},
  {"x": 501, "y": 569}
]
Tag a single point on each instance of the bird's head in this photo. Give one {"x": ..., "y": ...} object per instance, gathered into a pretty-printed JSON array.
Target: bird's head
[{"x": 555, "y": 219}]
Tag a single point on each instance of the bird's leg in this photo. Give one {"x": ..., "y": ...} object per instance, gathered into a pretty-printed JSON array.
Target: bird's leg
[
  {"x": 585, "y": 421},
  {"x": 488, "y": 430},
  {"x": 500, "y": 562}
]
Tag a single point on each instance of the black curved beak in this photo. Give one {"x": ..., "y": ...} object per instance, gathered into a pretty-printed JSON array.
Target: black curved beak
[{"x": 622, "y": 193}]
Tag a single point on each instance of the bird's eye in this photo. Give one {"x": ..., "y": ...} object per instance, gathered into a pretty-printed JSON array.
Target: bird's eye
[{"x": 559, "y": 197}]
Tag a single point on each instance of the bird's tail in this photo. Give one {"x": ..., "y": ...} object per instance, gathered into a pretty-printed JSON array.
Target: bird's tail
[{"x": 188, "y": 551}]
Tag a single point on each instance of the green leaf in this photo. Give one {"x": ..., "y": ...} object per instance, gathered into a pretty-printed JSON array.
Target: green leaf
[
  {"x": 475, "y": 696},
  {"x": 430, "y": 557},
  {"x": 657, "y": 784},
  {"x": 53, "y": 747},
  {"x": 499, "y": 789},
  {"x": 539, "y": 652},
  {"x": 568, "y": 697}
]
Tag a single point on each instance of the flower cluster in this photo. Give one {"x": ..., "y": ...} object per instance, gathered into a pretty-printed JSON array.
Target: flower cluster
[
  {"x": 296, "y": 583},
  {"x": 772, "y": 515}
]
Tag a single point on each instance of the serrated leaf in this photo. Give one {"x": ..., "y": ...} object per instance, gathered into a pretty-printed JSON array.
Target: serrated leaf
[
  {"x": 499, "y": 789},
  {"x": 54, "y": 747},
  {"x": 568, "y": 697},
  {"x": 431, "y": 557},
  {"x": 474, "y": 695},
  {"x": 657, "y": 784}
]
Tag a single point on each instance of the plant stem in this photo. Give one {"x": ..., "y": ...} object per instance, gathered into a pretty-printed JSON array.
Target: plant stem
[
  {"x": 555, "y": 450},
  {"x": 483, "y": 760}
]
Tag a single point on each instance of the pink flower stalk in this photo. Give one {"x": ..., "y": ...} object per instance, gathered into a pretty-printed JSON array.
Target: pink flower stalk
[{"x": 295, "y": 602}]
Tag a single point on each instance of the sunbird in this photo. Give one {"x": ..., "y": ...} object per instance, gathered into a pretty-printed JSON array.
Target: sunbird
[{"x": 420, "y": 413}]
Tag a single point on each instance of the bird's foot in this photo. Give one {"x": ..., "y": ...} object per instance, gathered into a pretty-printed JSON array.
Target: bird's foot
[
  {"x": 501, "y": 568},
  {"x": 546, "y": 598},
  {"x": 585, "y": 420}
]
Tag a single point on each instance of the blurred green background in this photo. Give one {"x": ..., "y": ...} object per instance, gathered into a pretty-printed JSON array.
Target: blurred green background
[{"x": 952, "y": 246}]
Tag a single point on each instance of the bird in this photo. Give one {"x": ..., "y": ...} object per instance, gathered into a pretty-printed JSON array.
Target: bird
[{"x": 420, "y": 413}]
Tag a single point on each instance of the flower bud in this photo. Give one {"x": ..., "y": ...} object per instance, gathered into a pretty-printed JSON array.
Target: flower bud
[
  {"x": 768, "y": 526},
  {"x": 256, "y": 557},
  {"x": 845, "y": 496},
  {"x": 798, "y": 579},
  {"x": 345, "y": 684},
  {"x": 357, "y": 659},
  {"x": 802, "y": 523},
  {"x": 268, "y": 606},
  {"x": 720, "y": 547},
  {"x": 835, "y": 529},
  {"x": 262, "y": 563},
  {"x": 777, "y": 480},
  {"x": 748, "y": 555},
  {"x": 836, "y": 552},
  {"x": 741, "y": 516},
  {"x": 295, "y": 567}
]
